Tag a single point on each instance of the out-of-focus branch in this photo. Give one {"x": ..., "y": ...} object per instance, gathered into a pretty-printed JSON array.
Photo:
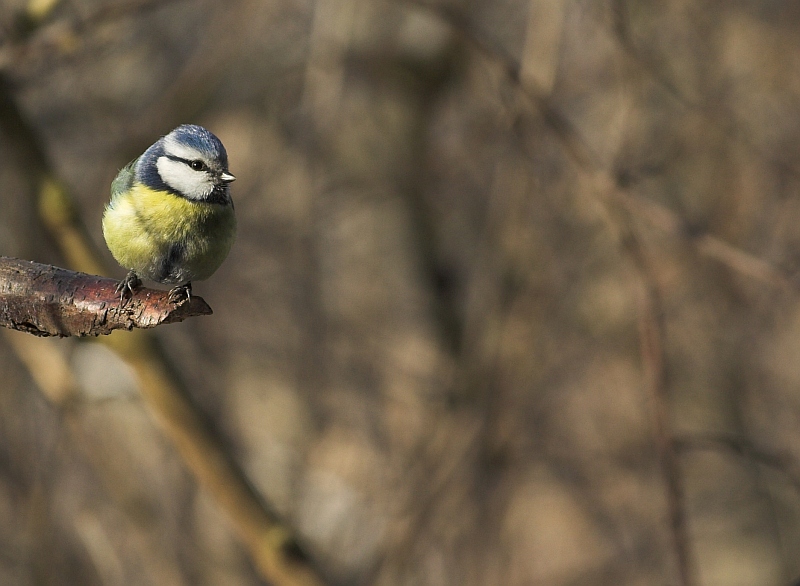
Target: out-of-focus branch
[
  {"x": 601, "y": 183},
  {"x": 782, "y": 461},
  {"x": 658, "y": 215},
  {"x": 49, "y": 301},
  {"x": 271, "y": 544},
  {"x": 652, "y": 339},
  {"x": 721, "y": 119},
  {"x": 38, "y": 10},
  {"x": 39, "y": 35}
]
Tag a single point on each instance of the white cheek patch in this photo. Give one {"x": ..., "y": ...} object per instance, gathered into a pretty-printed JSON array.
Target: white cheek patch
[{"x": 183, "y": 179}]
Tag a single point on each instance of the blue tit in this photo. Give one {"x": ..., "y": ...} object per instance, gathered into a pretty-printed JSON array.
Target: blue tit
[{"x": 170, "y": 218}]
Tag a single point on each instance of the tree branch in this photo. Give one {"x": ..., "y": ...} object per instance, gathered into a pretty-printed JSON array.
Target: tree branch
[{"x": 49, "y": 301}]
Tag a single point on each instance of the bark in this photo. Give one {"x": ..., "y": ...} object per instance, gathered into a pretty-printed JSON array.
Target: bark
[{"x": 49, "y": 301}]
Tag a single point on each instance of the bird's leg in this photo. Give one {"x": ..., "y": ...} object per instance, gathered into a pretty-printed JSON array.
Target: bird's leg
[
  {"x": 128, "y": 286},
  {"x": 181, "y": 293}
]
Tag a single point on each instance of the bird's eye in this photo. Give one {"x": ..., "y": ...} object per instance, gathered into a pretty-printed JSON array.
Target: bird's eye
[{"x": 197, "y": 165}]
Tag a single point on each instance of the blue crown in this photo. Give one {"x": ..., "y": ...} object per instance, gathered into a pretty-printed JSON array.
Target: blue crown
[{"x": 201, "y": 139}]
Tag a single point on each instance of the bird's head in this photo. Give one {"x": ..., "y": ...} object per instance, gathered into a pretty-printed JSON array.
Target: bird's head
[{"x": 190, "y": 162}]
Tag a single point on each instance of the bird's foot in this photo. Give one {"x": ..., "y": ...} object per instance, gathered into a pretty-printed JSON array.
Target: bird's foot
[
  {"x": 127, "y": 287},
  {"x": 180, "y": 294}
]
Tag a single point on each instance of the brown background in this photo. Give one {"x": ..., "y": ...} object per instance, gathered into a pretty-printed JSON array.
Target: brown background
[{"x": 480, "y": 245}]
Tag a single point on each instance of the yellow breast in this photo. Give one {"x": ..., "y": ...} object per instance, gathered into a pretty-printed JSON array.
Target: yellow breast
[{"x": 167, "y": 238}]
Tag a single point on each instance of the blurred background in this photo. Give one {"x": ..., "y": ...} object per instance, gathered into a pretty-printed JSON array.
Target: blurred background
[{"x": 514, "y": 297}]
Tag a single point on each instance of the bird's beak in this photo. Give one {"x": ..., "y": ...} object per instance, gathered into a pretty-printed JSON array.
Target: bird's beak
[{"x": 227, "y": 177}]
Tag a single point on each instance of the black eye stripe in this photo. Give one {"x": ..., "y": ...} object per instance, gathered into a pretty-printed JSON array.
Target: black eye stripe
[{"x": 185, "y": 161}]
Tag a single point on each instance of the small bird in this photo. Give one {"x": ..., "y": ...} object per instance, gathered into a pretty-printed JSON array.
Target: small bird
[{"x": 170, "y": 218}]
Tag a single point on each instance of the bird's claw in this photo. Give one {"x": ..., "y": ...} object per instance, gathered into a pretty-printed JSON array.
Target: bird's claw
[
  {"x": 127, "y": 287},
  {"x": 180, "y": 294}
]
